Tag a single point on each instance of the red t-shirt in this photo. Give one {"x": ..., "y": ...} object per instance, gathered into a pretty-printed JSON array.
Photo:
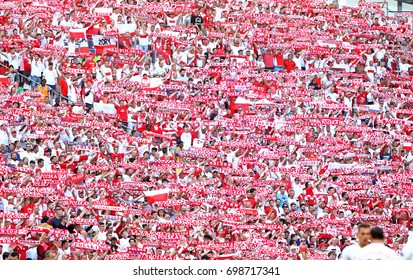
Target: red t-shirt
[
  {"x": 122, "y": 113},
  {"x": 119, "y": 156},
  {"x": 280, "y": 59},
  {"x": 64, "y": 89},
  {"x": 21, "y": 249},
  {"x": 289, "y": 65},
  {"x": 90, "y": 65},
  {"x": 268, "y": 60},
  {"x": 49, "y": 214},
  {"x": 28, "y": 209}
]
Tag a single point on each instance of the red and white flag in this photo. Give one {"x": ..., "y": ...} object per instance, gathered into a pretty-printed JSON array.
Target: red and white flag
[
  {"x": 158, "y": 195},
  {"x": 407, "y": 146},
  {"x": 126, "y": 27},
  {"x": 101, "y": 43},
  {"x": 93, "y": 30},
  {"x": 78, "y": 33},
  {"x": 83, "y": 46}
]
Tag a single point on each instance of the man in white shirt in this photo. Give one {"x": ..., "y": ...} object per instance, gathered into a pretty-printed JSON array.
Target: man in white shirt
[
  {"x": 66, "y": 21},
  {"x": 377, "y": 250},
  {"x": 64, "y": 251},
  {"x": 363, "y": 236},
  {"x": 50, "y": 75},
  {"x": 160, "y": 70},
  {"x": 407, "y": 252},
  {"x": 370, "y": 70},
  {"x": 186, "y": 138},
  {"x": 102, "y": 232},
  {"x": 4, "y": 136},
  {"x": 14, "y": 58},
  {"x": 124, "y": 241},
  {"x": 37, "y": 70}
]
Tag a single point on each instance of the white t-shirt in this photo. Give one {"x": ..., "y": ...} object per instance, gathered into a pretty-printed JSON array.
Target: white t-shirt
[
  {"x": 4, "y": 138},
  {"x": 14, "y": 60},
  {"x": 89, "y": 98},
  {"x": 376, "y": 251},
  {"x": 186, "y": 138},
  {"x": 37, "y": 68},
  {"x": 124, "y": 243},
  {"x": 50, "y": 76},
  {"x": 102, "y": 235},
  {"x": 351, "y": 252},
  {"x": 407, "y": 252},
  {"x": 32, "y": 253},
  {"x": 62, "y": 252}
]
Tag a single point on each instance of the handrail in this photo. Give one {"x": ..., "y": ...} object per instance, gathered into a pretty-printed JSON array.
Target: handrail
[{"x": 28, "y": 78}]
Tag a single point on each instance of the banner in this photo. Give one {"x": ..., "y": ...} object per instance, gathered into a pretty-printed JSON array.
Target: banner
[{"x": 101, "y": 43}]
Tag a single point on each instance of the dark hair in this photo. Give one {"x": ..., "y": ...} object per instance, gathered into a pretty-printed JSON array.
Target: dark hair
[
  {"x": 363, "y": 225},
  {"x": 71, "y": 229},
  {"x": 45, "y": 219},
  {"x": 208, "y": 237},
  {"x": 14, "y": 254},
  {"x": 377, "y": 233}
]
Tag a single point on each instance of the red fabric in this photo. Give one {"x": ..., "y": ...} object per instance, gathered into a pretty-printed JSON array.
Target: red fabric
[
  {"x": 122, "y": 112},
  {"x": 64, "y": 88}
]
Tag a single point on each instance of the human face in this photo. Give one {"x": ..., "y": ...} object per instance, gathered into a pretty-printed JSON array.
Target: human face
[
  {"x": 52, "y": 256},
  {"x": 363, "y": 236}
]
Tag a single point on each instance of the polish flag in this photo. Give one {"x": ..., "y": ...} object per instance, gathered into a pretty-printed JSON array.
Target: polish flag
[
  {"x": 407, "y": 146},
  {"x": 126, "y": 27},
  {"x": 78, "y": 33},
  {"x": 158, "y": 195},
  {"x": 93, "y": 30},
  {"x": 101, "y": 43},
  {"x": 83, "y": 46}
]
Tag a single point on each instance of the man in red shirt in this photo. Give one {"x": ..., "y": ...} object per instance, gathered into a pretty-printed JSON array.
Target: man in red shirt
[
  {"x": 268, "y": 58},
  {"x": 28, "y": 206},
  {"x": 49, "y": 212},
  {"x": 289, "y": 63},
  {"x": 64, "y": 88},
  {"x": 279, "y": 61},
  {"x": 122, "y": 111}
]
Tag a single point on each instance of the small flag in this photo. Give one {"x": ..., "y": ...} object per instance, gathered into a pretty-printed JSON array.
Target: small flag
[{"x": 158, "y": 195}]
